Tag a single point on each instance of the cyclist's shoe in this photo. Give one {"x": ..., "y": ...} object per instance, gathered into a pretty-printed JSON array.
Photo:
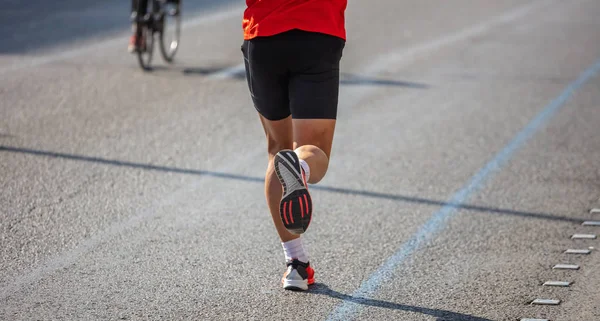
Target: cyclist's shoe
[
  {"x": 296, "y": 205},
  {"x": 298, "y": 276},
  {"x": 133, "y": 44},
  {"x": 136, "y": 43}
]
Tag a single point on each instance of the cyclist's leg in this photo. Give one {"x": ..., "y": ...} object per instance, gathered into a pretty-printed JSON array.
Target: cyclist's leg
[
  {"x": 139, "y": 7},
  {"x": 143, "y": 5}
]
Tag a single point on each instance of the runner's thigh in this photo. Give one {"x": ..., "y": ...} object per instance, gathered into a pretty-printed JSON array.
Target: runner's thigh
[
  {"x": 267, "y": 77},
  {"x": 315, "y": 76}
]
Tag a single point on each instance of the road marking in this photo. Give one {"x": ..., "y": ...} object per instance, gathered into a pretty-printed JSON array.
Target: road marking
[
  {"x": 535, "y": 320},
  {"x": 557, "y": 283},
  {"x": 576, "y": 251},
  {"x": 36, "y": 61},
  {"x": 385, "y": 272},
  {"x": 403, "y": 56},
  {"x": 70, "y": 256},
  {"x": 566, "y": 267},
  {"x": 583, "y": 236},
  {"x": 546, "y": 302},
  {"x": 595, "y": 211},
  {"x": 591, "y": 223}
]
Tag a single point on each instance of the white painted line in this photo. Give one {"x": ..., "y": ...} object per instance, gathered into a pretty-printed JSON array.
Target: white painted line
[
  {"x": 369, "y": 287},
  {"x": 406, "y": 55},
  {"x": 557, "y": 283},
  {"x": 418, "y": 51},
  {"x": 535, "y": 320},
  {"x": 583, "y": 236},
  {"x": 591, "y": 223},
  {"x": 154, "y": 209},
  {"x": 595, "y": 211},
  {"x": 546, "y": 302},
  {"x": 576, "y": 251},
  {"x": 566, "y": 267}
]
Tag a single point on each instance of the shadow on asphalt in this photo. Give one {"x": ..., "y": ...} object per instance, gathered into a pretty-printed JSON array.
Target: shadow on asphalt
[
  {"x": 354, "y": 79},
  {"x": 203, "y": 71},
  {"x": 441, "y": 315},
  {"x": 232, "y": 176},
  {"x": 346, "y": 79}
]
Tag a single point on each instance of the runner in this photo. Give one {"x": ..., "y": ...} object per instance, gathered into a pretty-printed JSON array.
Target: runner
[{"x": 292, "y": 51}]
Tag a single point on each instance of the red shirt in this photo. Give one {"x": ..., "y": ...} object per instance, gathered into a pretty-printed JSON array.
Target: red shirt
[{"x": 270, "y": 17}]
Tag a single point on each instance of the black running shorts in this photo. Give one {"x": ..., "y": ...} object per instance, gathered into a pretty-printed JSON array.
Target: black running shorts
[{"x": 294, "y": 73}]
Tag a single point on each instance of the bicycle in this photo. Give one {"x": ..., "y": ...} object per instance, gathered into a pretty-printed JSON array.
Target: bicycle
[{"x": 160, "y": 14}]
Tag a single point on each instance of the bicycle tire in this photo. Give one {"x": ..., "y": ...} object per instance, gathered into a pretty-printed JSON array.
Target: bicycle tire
[
  {"x": 170, "y": 19},
  {"x": 144, "y": 53},
  {"x": 145, "y": 27}
]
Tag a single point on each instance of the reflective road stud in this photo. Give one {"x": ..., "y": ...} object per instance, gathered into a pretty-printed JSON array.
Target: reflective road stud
[
  {"x": 595, "y": 211},
  {"x": 546, "y": 302},
  {"x": 575, "y": 251},
  {"x": 557, "y": 283},
  {"x": 583, "y": 236},
  {"x": 566, "y": 267}
]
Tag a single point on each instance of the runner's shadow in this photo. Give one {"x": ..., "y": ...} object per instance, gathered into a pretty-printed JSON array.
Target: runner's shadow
[{"x": 441, "y": 315}]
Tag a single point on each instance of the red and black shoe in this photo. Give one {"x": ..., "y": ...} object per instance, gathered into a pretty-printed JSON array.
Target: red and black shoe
[
  {"x": 136, "y": 43},
  {"x": 298, "y": 276},
  {"x": 296, "y": 205}
]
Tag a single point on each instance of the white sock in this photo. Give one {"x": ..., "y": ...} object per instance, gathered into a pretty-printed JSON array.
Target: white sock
[
  {"x": 306, "y": 169},
  {"x": 294, "y": 249}
]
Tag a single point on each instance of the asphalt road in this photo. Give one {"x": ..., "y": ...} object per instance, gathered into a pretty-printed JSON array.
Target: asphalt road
[{"x": 466, "y": 155}]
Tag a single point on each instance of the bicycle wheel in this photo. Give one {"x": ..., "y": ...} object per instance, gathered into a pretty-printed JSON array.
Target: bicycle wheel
[
  {"x": 146, "y": 47},
  {"x": 145, "y": 29},
  {"x": 170, "y": 30}
]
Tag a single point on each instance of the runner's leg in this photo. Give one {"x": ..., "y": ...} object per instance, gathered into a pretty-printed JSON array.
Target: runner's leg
[
  {"x": 268, "y": 83},
  {"x": 279, "y": 136},
  {"x": 314, "y": 90},
  {"x": 313, "y": 140}
]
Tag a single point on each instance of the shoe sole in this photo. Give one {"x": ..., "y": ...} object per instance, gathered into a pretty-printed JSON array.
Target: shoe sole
[
  {"x": 295, "y": 207},
  {"x": 295, "y": 285}
]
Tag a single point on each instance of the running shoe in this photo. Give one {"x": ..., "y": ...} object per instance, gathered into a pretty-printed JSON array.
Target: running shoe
[
  {"x": 298, "y": 276},
  {"x": 296, "y": 205}
]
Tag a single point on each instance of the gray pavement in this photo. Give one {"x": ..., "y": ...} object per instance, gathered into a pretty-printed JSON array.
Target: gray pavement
[{"x": 137, "y": 196}]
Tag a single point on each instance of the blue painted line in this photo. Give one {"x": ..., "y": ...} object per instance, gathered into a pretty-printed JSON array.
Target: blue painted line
[{"x": 349, "y": 308}]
